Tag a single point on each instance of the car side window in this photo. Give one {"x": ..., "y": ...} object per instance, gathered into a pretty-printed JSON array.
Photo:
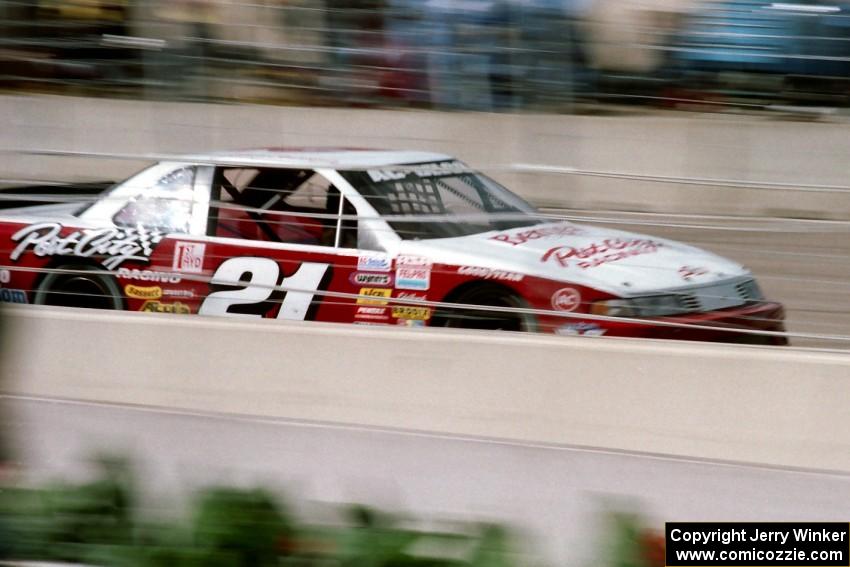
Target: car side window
[
  {"x": 294, "y": 206},
  {"x": 166, "y": 206}
]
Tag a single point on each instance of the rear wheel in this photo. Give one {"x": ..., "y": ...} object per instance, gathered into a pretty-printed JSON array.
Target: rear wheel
[
  {"x": 485, "y": 295},
  {"x": 78, "y": 286}
]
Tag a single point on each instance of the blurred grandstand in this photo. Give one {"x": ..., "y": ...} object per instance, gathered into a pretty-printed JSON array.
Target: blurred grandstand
[{"x": 539, "y": 55}]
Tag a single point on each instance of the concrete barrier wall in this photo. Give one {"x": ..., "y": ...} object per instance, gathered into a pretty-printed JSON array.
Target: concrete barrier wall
[
  {"x": 772, "y": 406},
  {"x": 671, "y": 144}
]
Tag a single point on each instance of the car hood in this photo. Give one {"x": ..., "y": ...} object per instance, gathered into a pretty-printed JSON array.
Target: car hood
[{"x": 615, "y": 261}]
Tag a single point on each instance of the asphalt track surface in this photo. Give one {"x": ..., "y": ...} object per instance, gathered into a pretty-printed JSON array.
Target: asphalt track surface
[
  {"x": 804, "y": 264},
  {"x": 554, "y": 495}
]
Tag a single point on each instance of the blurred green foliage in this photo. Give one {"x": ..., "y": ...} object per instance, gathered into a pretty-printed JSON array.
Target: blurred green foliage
[{"x": 98, "y": 523}]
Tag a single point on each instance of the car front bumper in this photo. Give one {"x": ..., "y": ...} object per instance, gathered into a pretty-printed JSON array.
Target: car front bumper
[{"x": 740, "y": 325}]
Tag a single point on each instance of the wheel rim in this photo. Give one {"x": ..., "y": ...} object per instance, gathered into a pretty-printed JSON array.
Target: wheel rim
[
  {"x": 485, "y": 319},
  {"x": 78, "y": 290}
]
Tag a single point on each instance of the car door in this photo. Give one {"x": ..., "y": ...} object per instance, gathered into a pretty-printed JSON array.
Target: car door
[{"x": 276, "y": 247}]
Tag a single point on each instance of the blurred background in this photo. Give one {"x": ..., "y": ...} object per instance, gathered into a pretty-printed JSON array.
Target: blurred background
[{"x": 487, "y": 55}]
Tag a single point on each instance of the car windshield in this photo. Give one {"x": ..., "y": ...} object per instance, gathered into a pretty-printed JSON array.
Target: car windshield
[{"x": 461, "y": 201}]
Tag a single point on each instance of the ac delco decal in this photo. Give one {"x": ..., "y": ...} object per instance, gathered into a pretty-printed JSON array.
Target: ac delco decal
[
  {"x": 140, "y": 292},
  {"x": 566, "y": 299},
  {"x": 369, "y": 278},
  {"x": 118, "y": 244},
  {"x": 374, "y": 263}
]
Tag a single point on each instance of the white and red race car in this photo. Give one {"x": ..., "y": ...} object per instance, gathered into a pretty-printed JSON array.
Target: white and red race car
[{"x": 369, "y": 237}]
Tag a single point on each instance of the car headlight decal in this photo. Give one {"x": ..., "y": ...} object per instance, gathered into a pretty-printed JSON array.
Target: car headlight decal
[{"x": 706, "y": 298}]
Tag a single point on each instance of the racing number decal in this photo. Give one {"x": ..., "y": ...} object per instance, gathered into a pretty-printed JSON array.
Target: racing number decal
[
  {"x": 258, "y": 288},
  {"x": 263, "y": 274}
]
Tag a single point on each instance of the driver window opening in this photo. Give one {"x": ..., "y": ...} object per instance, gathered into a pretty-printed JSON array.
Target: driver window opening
[{"x": 294, "y": 206}]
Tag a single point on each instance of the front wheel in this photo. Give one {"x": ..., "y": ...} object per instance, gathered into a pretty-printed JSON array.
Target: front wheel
[
  {"x": 485, "y": 295},
  {"x": 78, "y": 286}
]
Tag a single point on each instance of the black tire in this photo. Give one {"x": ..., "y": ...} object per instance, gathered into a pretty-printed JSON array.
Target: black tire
[
  {"x": 75, "y": 285},
  {"x": 486, "y": 295}
]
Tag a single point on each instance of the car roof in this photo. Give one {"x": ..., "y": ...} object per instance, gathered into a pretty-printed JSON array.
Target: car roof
[{"x": 332, "y": 158}]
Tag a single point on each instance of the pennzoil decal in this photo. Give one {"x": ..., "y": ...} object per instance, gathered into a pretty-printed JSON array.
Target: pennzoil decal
[
  {"x": 118, "y": 244},
  {"x": 369, "y": 312},
  {"x": 141, "y": 292}
]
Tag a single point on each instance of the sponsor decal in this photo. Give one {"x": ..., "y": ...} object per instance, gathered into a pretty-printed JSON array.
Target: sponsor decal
[
  {"x": 118, "y": 244},
  {"x": 581, "y": 329},
  {"x": 489, "y": 274},
  {"x": 413, "y": 278},
  {"x": 609, "y": 250},
  {"x": 519, "y": 238},
  {"x": 372, "y": 292},
  {"x": 421, "y": 170},
  {"x": 371, "y": 278},
  {"x": 379, "y": 313},
  {"x": 374, "y": 263},
  {"x": 189, "y": 257},
  {"x": 147, "y": 276},
  {"x": 688, "y": 272},
  {"x": 178, "y": 293},
  {"x": 160, "y": 307},
  {"x": 566, "y": 299},
  {"x": 9, "y": 295},
  {"x": 5, "y": 276},
  {"x": 254, "y": 292},
  {"x": 411, "y": 295},
  {"x": 413, "y": 272},
  {"x": 413, "y": 261},
  {"x": 139, "y": 292},
  {"x": 411, "y": 312},
  {"x": 411, "y": 322}
]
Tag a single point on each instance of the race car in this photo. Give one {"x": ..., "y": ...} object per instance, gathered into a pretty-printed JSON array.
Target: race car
[{"x": 367, "y": 237}]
